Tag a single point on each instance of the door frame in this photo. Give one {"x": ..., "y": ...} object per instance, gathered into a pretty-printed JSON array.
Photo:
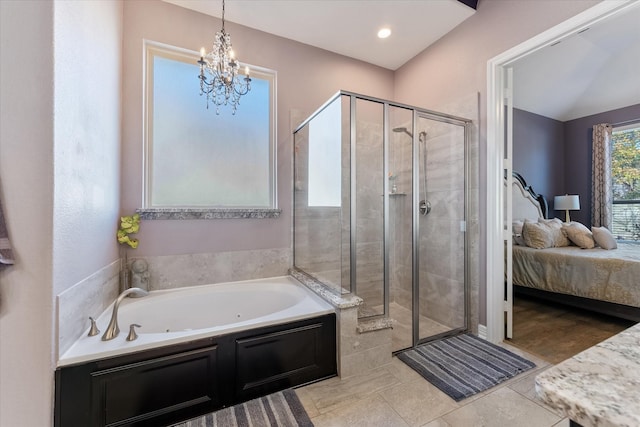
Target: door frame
[{"x": 497, "y": 231}]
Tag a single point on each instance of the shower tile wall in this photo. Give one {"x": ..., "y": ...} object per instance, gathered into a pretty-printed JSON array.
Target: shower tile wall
[
  {"x": 370, "y": 246},
  {"x": 369, "y": 215},
  {"x": 400, "y": 220},
  {"x": 318, "y": 231},
  {"x": 468, "y": 106},
  {"x": 441, "y": 237}
]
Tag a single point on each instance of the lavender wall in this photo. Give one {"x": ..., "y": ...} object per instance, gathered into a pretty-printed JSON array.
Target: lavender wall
[
  {"x": 307, "y": 77},
  {"x": 577, "y": 149},
  {"x": 538, "y": 153}
]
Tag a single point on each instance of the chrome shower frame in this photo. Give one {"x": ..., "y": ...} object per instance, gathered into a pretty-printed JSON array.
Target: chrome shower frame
[{"x": 416, "y": 136}]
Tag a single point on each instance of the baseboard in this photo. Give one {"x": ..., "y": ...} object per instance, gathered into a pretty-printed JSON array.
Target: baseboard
[{"x": 482, "y": 331}]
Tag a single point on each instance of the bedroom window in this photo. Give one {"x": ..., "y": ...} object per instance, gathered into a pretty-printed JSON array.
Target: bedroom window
[
  {"x": 625, "y": 171},
  {"x": 198, "y": 160}
]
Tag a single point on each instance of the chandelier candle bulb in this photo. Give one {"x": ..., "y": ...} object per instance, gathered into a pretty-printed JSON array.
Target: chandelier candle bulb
[{"x": 218, "y": 73}]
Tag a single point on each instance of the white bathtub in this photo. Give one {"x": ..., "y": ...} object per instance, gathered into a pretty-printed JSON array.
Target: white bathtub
[{"x": 177, "y": 315}]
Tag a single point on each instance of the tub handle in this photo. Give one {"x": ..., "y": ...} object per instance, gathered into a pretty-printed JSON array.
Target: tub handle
[
  {"x": 93, "y": 330},
  {"x": 132, "y": 332}
]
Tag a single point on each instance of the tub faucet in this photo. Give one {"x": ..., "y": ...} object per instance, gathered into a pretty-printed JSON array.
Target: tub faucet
[{"x": 113, "y": 330}]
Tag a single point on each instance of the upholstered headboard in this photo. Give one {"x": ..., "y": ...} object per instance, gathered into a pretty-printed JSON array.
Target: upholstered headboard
[{"x": 526, "y": 203}]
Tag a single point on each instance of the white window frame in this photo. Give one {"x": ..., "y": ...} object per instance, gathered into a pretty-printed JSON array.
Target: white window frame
[
  {"x": 632, "y": 124},
  {"x": 150, "y": 211}
]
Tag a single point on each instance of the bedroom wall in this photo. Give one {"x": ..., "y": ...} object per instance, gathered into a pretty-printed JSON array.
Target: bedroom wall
[
  {"x": 538, "y": 153},
  {"x": 578, "y": 141}
]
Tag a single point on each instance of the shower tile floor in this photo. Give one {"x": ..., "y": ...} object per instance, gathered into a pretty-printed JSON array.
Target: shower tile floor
[
  {"x": 402, "y": 337},
  {"x": 395, "y": 395},
  {"x": 402, "y": 320}
]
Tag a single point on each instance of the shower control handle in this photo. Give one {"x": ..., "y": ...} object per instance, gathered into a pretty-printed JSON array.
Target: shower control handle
[{"x": 425, "y": 207}]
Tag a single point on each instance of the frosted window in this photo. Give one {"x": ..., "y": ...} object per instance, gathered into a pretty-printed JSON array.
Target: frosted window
[
  {"x": 200, "y": 159},
  {"x": 324, "y": 157}
]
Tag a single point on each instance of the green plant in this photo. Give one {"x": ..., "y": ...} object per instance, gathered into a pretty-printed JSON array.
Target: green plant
[{"x": 128, "y": 225}]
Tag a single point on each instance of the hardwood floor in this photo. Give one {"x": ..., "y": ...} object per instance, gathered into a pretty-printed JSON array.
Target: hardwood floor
[{"x": 556, "y": 332}]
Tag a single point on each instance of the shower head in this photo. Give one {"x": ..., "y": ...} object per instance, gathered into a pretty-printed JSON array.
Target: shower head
[{"x": 401, "y": 129}]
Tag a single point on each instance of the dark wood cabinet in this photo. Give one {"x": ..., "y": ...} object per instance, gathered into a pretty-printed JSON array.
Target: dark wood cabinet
[{"x": 169, "y": 384}]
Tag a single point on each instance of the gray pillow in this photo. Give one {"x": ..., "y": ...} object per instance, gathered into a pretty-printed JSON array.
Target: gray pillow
[{"x": 604, "y": 238}]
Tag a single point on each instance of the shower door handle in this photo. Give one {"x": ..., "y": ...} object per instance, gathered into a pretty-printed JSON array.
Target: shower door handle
[{"x": 425, "y": 207}]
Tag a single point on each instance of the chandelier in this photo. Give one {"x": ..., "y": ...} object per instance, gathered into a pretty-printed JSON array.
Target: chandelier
[{"x": 218, "y": 73}]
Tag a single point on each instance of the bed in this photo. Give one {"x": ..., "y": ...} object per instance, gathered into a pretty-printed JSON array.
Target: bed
[{"x": 606, "y": 281}]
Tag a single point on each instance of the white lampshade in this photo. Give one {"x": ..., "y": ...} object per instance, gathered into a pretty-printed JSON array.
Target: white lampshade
[{"x": 568, "y": 202}]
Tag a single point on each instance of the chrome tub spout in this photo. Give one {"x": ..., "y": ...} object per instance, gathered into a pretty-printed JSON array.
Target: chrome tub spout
[{"x": 113, "y": 330}]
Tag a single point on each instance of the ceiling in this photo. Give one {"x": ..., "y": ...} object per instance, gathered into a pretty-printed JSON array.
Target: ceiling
[
  {"x": 347, "y": 27},
  {"x": 586, "y": 73}
]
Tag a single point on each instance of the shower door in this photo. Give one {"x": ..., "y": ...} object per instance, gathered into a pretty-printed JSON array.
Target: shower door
[{"x": 440, "y": 194}]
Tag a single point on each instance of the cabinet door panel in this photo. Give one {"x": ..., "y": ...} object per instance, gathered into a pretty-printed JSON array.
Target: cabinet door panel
[
  {"x": 150, "y": 389},
  {"x": 277, "y": 360}
]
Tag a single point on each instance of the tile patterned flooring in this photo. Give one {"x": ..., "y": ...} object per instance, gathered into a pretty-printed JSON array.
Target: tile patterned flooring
[
  {"x": 402, "y": 336},
  {"x": 395, "y": 395}
]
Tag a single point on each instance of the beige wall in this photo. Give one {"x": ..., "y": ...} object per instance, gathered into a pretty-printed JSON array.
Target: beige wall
[
  {"x": 26, "y": 165},
  {"x": 59, "y": 164},
  {"x": 456, "y": 66},
  {"x": 307, "y": 77}
]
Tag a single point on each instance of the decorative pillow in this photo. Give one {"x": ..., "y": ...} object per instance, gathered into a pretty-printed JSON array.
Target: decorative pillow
[
  {"x": 537, "y": 235},
  {"x": 579, "y": 234},
  {"x": 559, "y": 239},
  {"x": 604, "y": 238},
  {"x": 516, "y": 230}
]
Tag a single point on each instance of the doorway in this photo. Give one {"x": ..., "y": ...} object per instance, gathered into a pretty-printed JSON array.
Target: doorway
[{"x": 499, "y": 159}]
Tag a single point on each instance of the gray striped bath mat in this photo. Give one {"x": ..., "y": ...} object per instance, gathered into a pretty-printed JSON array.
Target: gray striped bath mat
[
  {"x": 464, "y": 365},
  {"x": 282, "y": 409}
]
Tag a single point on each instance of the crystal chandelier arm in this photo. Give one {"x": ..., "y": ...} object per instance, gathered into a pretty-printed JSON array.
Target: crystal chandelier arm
[{"x": 223, "y": 87}]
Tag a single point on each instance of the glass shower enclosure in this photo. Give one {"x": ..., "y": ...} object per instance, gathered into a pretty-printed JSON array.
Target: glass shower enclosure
[{"x": 380, "y": 206}]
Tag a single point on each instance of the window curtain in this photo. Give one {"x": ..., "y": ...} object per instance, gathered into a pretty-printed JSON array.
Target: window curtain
[{"x": 601, "y": 190}]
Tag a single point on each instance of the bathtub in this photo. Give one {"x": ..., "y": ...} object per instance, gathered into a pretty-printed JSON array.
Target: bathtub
[{"x": 173, "y": 316}]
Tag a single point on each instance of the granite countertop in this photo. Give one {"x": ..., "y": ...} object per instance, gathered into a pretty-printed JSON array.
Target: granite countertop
[{"x": 600, "y": 386}]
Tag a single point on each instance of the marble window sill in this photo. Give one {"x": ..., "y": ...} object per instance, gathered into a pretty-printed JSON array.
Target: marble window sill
[{"x": 195, "y": 213}]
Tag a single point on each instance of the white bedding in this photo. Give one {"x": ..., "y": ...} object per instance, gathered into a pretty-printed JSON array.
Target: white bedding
[{"x": 605, "y": 275}]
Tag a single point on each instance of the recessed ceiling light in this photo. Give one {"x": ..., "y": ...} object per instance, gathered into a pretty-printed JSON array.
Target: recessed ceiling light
[{"x": 384, "y": 33}]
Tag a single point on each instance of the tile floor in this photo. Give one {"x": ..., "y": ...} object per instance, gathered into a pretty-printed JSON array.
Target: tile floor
[
  {"x": 395, "y": 395},
  {"x": 402, "y": 337}
]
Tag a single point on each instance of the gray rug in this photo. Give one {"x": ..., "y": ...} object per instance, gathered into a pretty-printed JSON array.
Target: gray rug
[
  {"x": 464, "y": 365},
  {"x": 282, "y": 409}
]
